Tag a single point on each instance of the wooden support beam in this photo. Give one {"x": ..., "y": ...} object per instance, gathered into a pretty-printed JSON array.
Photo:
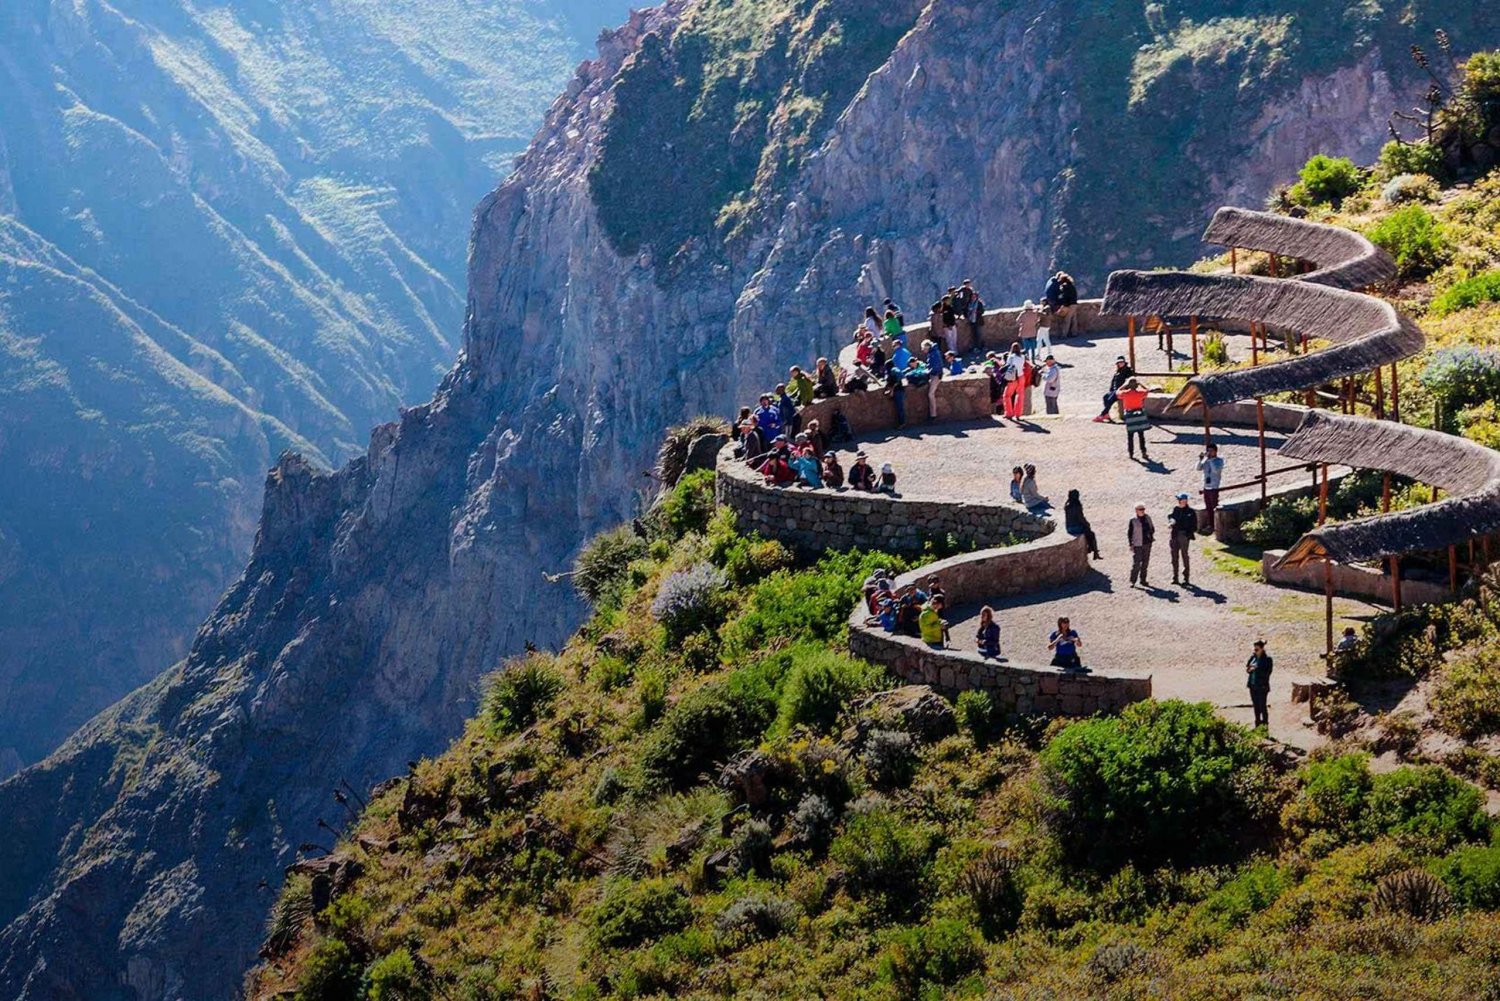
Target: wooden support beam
[
  {"x": 1395, "y": 393},
  {"x": 1254, "y": 346},
  {"x": 1379, "y": 395},
  {"x": 1130, "y": 330},
  {"x": 1234, "y": 261},
  {"x": 1328, "y": 611},
  {"x": 1193, "y": 332},
  {"x": 1260, "y": 424},
  {"x": 1323, "y": 496}
]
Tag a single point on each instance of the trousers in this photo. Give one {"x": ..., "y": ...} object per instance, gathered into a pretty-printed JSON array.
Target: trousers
[
  {"x": 1140, "y": 563},
  {"x": 1181, "y": 546},
  {"x": 1258, "y": 700}
]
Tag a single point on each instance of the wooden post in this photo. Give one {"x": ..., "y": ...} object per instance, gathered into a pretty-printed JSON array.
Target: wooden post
[
  {"x": 1193, "y": 332},
  {"x": 1394, "y": 563},
  {"x": 1260, "y": 424},
  {"x": 1130, "y": 329},
  {"x": 1328, "y": 610},
  {"x": 1379, "y": 394},
  {"x": 1323, "y": 497},
  {"x": 1254, "y": 350},
  {"x": 1275, "y": 265},
  {"x": 1395, "y": 393},
  {"x": 1234, "y": 261}
]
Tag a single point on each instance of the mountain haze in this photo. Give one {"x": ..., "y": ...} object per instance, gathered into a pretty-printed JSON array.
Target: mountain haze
[
  {"x": 226, "y": 228},
  {"x": 715, "y": 196}
]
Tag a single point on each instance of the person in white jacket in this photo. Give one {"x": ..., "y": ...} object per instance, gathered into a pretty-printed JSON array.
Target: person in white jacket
[{"x": 1051, "y": 383}]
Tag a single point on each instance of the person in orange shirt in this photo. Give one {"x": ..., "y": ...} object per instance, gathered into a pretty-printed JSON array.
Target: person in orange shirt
[{"x": 1133, "y": 402}]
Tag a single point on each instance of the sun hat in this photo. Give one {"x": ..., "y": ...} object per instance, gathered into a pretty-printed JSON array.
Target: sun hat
[{"x": 1182, "y": 496}]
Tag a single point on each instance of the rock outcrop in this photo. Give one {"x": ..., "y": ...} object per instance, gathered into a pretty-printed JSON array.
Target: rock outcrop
[{"x": 956, "y": 138}]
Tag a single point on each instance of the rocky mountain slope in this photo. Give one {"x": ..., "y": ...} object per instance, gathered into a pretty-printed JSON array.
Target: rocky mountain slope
[
  {"x": 225, "y": 229},
  {"x": 713, "y": 196}
]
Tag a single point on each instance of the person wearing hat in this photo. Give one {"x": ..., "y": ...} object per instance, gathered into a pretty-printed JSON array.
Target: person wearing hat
[
  {"x": 887, "y": 479},
  {"x": 861, "y": 476},
  {"x": 1184, "y": 526},
  {"x": 1026, "y": 325},
  {"x": 1258, "y": 680},
  {"x": 1212, "y": 468},
  {"x": 1051, "y": 383},
  {"x": 1123, "y": 374},
  {"x": 1141, "y": 534},
  {"x": 1133, "y": 410},
  {"x": 753, "y": 441},
  {"x": 833, "y": 473}
]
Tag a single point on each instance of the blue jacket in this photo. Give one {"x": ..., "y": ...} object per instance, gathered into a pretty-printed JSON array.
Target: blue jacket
[
  {"x": 935, "y": 359},
  {"x": 768, "y": 419}
]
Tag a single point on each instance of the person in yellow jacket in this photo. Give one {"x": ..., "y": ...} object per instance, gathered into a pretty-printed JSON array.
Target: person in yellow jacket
[{"x": 931, "y": 623}]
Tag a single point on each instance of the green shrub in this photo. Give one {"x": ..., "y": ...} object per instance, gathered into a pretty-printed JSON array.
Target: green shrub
[
  {"x": 1397, "y": 158},
  {"x": 1459, "y": 378},
  {"x": 1414, "y": 239},
  {"x": 755, "y": 918},
  {"x": 651, "y": 694},
  {"x": 808, "y": 606},
  {"x": 1251, "y": 891},
  {"x": 1405, "y": 188},
  {"x": 941, "y": 952},
  {"x": 890, "y": 757},
  {"x": 601, "y": 569},
  {"x": 1215, "y": 351},
  {"x": 1162, "y": 782},
  {"x": 330, "y": 973},
  {"x": 634, "y": 912},
  {"x": 706, "y": 728},
  {"x": 690, "y": 600},
  {"x": 1326, "y": 179},
  {"x": 1340, "y": 802},
  {"x": 978, "y": 716},
  {"x": 689, "y": 505},
  {"x": 745, "y": 559},
  {"x": 1283, "y": 521},
  {"x": 1472, "y": 875},
  {"x": 818, "y": 686},
  {"x": 517, "y": 696},
  {"x": 885, "y": 861},
  {"x": 992, "y": 883},
  {"x": 396, "y": 977},
  {"x": 1467, "y": 699}
]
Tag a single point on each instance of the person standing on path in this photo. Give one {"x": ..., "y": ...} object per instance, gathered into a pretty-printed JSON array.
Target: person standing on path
[
  {"x": 1184, "y": 528},
  {"x": 1015, "y": 386},
  {"x": 1026, "y": 326},
  {"x": 1212, "y": 468},
  {"x": 1141, "y": 534},
  {"x": 1133, "y": 402},
  {"x": 1064, "y": 643},
  {"x": 935, "y": 368},
  {"x": 1051, "y": 383},
  {"x": 1258, "y": 680}
]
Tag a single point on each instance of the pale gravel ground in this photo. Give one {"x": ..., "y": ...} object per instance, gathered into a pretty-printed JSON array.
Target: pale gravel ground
[{"x": 1193, "y": 640}]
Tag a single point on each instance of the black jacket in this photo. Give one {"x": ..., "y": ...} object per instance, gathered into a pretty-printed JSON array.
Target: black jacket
[
  {"x": 1184, "y": 520},
  {"x": 1258, "y": 672},
  {"x": 1150, "y": 531}
]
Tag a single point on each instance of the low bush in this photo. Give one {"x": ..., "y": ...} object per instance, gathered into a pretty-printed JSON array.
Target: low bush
[
  {"x": 396, "y": 977},
  {"x": 1340, "y": 802},
  {"x": 1326, "y": 180},
  {"x": 755, "y": 918},
  {"x": 689, "y": 505},
  {"x": 807, "y": 606},
  {"x": 1412, "y": 893},
  {"x": 706, "y": 727},
  {"x": 1283, "y": 521},
  {"x": 890, "y": 758},
  {"x": 1467, "y": 698},
  {"x": 745, "y": 559},
  {"x": 1472, "y": 875},
  {"x": 1163, "y": 782},
  {"x": 601, "y": 570},
  {"x": 1459, "y": 378},
  {"x": 992, "y": 883},
  {"x": 942, "y": 953},
  {"x": 1467, "y": 293},
  {"x": 331, "y": 972},
  {"x": 1481, "y": 424},
  {"x": 1397, "y": 158},
  {"x": 885, "y": 861},
  {"x": 1114, "y": 961},
  {"x": 519, "y": 695},
  {"x": 1412, "y": 236},
  {"x": 1215, "y": 351},
  {"x": 818, "y": 685},
  {"x": 1406, "y": 188},
  {"x": 1249, "y": 892},
  {"x": 690, "y": 600},
  {"x": 811, "y": 823},
  {"x": 634, "y": 912},
  {"x": 977, "y": 716}
]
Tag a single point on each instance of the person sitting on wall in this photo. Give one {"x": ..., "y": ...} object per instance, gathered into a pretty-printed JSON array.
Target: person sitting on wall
[
  {"x": 901, "y": 357},
  {"x": 1123, "y": 374},
  {"x": 817, "y": 438},
  {"x": 1017, "y": 476},
  {"x": 887, "y": 479},
  {"x": 871, "y": 322},
  {"x": 891, "y": 326},
  {"x": 891, "y": 309},
  {"x": 805, "y": 464},
  {"x": 955, "y": 364},
  {"x": 777, "y": 468},
  {"x": 1064, "y": 644},
  {"x": 825, "y": 380},
  {"x": 930, "y": 623},
  {"x": 738, "y": 425},
  {"x": 753, "y": 445},
  {"x": 833, "y": 473},
  {"x": 988, "y": 636},
  {"x": 1030, "y": 495},
  {"x": 996, "y": 373},
  {"x": 908, "y": 611},
  {"x": 1074, "y": 522},
  {"x": 864, "y": 347},
  {"x": 801, "y": 386},
  {"x": 791, "y": 421},
  {"x": 861, "y": 476}
]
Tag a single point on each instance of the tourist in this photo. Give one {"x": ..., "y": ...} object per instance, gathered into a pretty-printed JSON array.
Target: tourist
[
  {"x": 895, "y": 388},
  {"x": 1062, "y": 299},
  {"x": 1031, "y": 377},
  {"x": 768, "y": 418},
  {"x": 954, "y": 363},
  {"x": 1258, "y": 680},
  {"x": 1015, "y": 366},
  {"x": 1133, "y": 404},
  {"x": 935, "y": 366},
  {"x": 950, "y": 322},
  {"x": 1183, "y": 528},
  {"x": 833, "y": 473},
  {"x": 1074, "y": 523},
  {"x": 816, "y": 437},
  {"x": 801, "y": 386},
  {"x": 752, "y": 443},
  {"x": 887, "y": 479},
  {"x": 1026, "y": 326},
  {"x": 900, "y": 356},
  {"x": 777, "y": 469},
  {"x": 963, "y": 298},
  {"x": 825, "y": 380},
  {"x": 891, "y": 326},
  {"x": 892, "y": 309},
  {"x": 1064, "y": 643},
  {"x": 1141, "y": 534},
  {"x": 791, "y": 422},
  {"x": 1051, "y": 383},
  {"x": 1123, "y": 374},
  {"x": 1348, "y": 642},
  {"x": 738, "y": 427},
  {"x": 807, "y": 467},
  {"x": 864, "y": 347},
  {"x": 1212, "y": 468},
  {"x": 908, "y": 612},
  {"x": 861, "y": 476},
  {"x": 996, "y": 373},
  {"x": 988, "y": 636},
  {"x": 1017, "y": 475},
  {"x": 871, "y": 322},
  {"x": 1030, "y": 495}
]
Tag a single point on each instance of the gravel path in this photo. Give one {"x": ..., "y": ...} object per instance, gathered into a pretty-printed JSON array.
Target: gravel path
[{"x": 1193, "y": 639}]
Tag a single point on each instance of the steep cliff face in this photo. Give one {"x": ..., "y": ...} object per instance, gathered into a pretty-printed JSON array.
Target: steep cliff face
[{"x": 981, "y": 139}]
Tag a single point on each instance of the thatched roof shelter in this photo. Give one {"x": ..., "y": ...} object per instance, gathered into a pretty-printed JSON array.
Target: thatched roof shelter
[
  {"x": 1364, "y": 332},
  {"x": 1345, "y": 259},
  {"x": 1467, "y": 471}
]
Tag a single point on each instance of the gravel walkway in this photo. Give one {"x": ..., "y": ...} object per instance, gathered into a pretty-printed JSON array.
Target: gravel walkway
[{"x": 1193, "y": 639}]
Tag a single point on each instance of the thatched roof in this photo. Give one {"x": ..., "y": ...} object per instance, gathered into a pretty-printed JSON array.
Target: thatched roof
[
  {"x": 1467, "y": 471},
  {"x": 1365, "y": 332},
  {"x": 1345, "y": 259}
]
